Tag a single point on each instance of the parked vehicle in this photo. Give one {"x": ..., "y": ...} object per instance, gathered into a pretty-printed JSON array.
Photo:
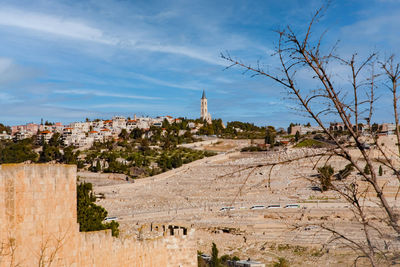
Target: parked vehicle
[
  {"x": 109, "y": 219},
  {"x": 205, "y": 257},
  {"x": 257, "y": 207},
  {"x": 292, "y": 206},
  {"x": 227, "y": 208}
]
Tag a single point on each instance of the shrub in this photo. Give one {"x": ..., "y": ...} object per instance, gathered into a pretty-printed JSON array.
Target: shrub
[
  {"x": 282, "y": 262},
  {"x": 225, "y": 258},
  {"x": 235, "y": 258},
  {"x": 325, "y": 176},
  {"x": 317, "y": 253}
]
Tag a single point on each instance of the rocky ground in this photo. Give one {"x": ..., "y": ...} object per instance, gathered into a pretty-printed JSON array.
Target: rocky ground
[{"x": 193, "y": 195}]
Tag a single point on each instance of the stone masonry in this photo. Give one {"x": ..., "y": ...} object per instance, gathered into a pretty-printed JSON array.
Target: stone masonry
[{"x": 38, "y": 226}]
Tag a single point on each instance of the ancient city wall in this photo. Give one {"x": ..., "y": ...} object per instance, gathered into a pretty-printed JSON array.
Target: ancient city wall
[{"x": 38, "y": 226}]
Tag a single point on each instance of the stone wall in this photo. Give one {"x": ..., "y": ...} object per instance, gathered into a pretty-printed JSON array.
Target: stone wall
[
  {"x": 38, "y": 226},
  {"x": 200, "y": 144}
]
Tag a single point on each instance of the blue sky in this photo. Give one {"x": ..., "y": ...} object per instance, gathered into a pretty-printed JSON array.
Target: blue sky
[{"x": 68, "y": 60}]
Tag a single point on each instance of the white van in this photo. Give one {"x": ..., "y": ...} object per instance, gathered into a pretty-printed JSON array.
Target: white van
[
  {"x": 109, "y": 219},
  {"x": 293, "y": 206},
  {"x": 227, "y": 208},
  {"x": 257, "y": 207}
]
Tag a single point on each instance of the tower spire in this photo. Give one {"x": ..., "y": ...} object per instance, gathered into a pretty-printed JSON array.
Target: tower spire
[{"x": 204, "y": 95}]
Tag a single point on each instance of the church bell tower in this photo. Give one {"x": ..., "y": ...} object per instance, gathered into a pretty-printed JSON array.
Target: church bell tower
[{"x": 204, "y": 111}]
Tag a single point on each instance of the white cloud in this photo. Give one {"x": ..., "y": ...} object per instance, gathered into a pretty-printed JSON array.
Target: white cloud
[
  {"x": 184, "y": 51},
  {"x": 80, "y": 30},
  {"x": 165, "y": 83},
  {"x": 374, "y": 29},
  {"x": 52, "y": 25},
  {"x": 104, "y": 94}
]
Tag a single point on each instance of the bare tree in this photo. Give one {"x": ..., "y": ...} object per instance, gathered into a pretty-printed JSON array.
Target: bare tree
[
  {"x": 50, "y": 246},
  {"x": 46, "y": 252},
  {"x": 7, "y": 252},
  {"x": 351, "y": 103}
]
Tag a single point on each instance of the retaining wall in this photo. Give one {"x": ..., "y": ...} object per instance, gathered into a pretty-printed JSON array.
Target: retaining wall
[{"x": 38, "y": 226}]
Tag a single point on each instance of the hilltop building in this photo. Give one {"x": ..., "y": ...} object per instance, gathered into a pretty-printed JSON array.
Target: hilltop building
[
  {"x": 304, "y": 129},
  {"x": 204, "y": 110},
  {"x": 84, "y": 134}
]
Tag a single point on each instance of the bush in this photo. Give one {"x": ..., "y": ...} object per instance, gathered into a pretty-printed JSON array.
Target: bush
[
  {"x": 225, "y": 258},
  {"x": 235, "y": 258},
  {"x": 325, "y": 176},
  {"x": 176, "y": 161},
  {"x": 282, "y": 262}
]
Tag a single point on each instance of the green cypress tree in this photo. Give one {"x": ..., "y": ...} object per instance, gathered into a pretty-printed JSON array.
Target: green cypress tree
[
  {"x": 297, "y": 136},
  {"x": 91, "y": 216},
  {"x": 366, "y": 169},
  {"x": 214, "y": 256}
]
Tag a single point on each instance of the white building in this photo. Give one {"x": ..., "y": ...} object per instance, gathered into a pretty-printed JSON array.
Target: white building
[
  {"x": 5, "y": 136},
  {"x": 119, "y": 122},
  {"x": 98, "y": 124},
  {"x": 81, "y": 126},
  {"x": 106, "y": 134},
  {"x": 54, "y": 128},
  {"x": 45, "y": 135},
  {"x": 144, "y": 123},
  {"x": 304, "y": 129},
  {"x": 23, "y": 135},
  {"x": 131, "y": 124}
]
